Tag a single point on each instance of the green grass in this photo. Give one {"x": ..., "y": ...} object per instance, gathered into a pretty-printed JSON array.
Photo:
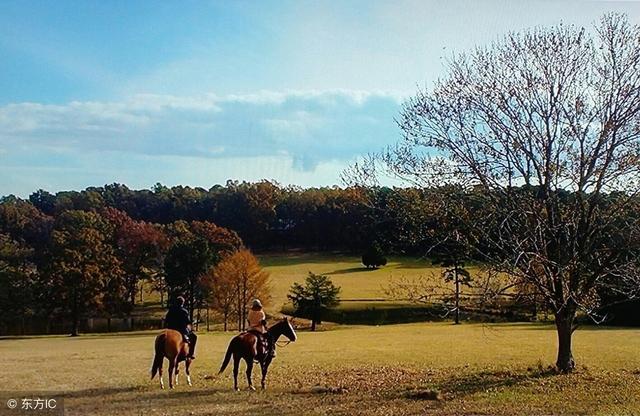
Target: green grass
[
  {"x": 356, "y": 281},
  {"x": 473, "y": 368},
  {"x": 362, "y": 289}
]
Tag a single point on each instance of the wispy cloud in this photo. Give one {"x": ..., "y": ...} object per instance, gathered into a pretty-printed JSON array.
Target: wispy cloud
[
  {"x": 319, "y": 125},
  {"x": 304, "y": 132}
]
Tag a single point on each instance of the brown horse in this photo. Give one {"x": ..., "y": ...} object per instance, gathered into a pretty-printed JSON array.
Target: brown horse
[
  {"x": 170, "y": 345},
  {"x": 245, "y": 346}
]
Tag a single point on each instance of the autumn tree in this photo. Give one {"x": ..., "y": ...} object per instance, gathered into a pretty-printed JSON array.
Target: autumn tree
[
  {"x": 234, "y": 283},
  {"x": 43, "y": 200},
  {"x": 82, "y": 264},
  {"x": 196, "y": 247},
  {"x": 314, "y": 298},
  {"x": 220, "y": 292},
  {"x": 25, "y": 223},
  {"x": 140, "y": 246},
  {"x": 17, "y": 280},
  {"x": 545, "y": 125}
]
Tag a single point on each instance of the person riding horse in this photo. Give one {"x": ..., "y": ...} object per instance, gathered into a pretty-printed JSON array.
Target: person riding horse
[
  {"x": 178, "y": 319},
  {"x": 258, "y": 326}
]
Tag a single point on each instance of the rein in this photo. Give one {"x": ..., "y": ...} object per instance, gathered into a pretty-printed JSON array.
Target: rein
[{"x": 280, "y": 344}]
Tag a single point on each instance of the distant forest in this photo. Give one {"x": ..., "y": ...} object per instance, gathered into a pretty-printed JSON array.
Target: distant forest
[
  {"x": 80, "y": 254},
  {"x": 271, "y": 217}
]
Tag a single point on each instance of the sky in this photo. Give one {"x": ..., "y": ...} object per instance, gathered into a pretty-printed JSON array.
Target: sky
[{"x": 198, "y": 92}]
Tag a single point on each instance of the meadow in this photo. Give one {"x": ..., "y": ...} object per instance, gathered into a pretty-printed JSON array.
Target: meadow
[
  {"x": 417, "y": 368},
  {"x": 424, "y": 368},
  {"x": 357, "y": 283}
]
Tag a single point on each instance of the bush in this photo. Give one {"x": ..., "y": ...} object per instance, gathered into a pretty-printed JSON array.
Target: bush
[{"x": 373, "y": 257}]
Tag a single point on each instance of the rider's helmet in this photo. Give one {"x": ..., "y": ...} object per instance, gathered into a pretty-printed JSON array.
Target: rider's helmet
[
  {"x": 179, "y": 301},
  {"x": 256, "y": 304}
]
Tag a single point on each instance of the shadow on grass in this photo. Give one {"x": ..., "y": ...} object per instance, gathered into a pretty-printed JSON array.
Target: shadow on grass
[
  {"x": 469, "y": 384},
  {"x": 85, "y": 335},
  {"x": 350, "y": 270},
  {"x": 297, "y": 258},
  {"x": 550, "y": 326},
  {"x": 144, "y": 400},
  {"x": 100, "y": 392}
]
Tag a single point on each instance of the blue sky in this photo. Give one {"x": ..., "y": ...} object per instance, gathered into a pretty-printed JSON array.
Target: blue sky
[{"x": 197, "y": 92}]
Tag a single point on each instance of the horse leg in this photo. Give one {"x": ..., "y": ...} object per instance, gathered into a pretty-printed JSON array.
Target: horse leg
[
  {"x": 236, "y": 365},
  {"x": 264, "y": 367},
  {"x": 177, "y": 373},
  {"x": 160, "y": 374},
  {"x": 172, "y": 369},
  {"x": 187, "y": 364},
  {"x": 249, "y": 371}
]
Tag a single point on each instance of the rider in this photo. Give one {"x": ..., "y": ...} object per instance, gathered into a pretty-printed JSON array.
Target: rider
[
  {"x": 258, "y": 324},
  {"x": 178, "y": 319}
]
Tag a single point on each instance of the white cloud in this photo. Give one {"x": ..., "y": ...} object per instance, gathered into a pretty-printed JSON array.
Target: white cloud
[
  {"x": 263, "y": 123},
  {"x": 282, "y": 135}
]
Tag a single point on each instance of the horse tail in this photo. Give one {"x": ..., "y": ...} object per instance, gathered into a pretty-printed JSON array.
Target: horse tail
[
  {"x": 227, "y": 356},
  {"x": 157, "y": 359}
]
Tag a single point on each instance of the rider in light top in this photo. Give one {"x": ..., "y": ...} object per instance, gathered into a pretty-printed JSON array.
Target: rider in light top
[
  {"x": 258, "y": 323},
  {"x": 256, "y": 317},
  {"x": 178, "y": 319}
]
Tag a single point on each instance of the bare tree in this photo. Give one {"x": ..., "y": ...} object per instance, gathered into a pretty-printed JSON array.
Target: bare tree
[{"x": 543, "y": 129}]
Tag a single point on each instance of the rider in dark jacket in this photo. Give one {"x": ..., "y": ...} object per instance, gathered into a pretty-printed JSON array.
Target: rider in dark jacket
[{"x": 178, "y": 319}]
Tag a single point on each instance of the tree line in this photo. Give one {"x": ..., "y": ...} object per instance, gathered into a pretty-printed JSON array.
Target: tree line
[
  {"x": 76, "y": 264},
  {"x": 78, "y": 254},
  {"x": 268, "y": 216},
  {"x": 84, "y": 253}
]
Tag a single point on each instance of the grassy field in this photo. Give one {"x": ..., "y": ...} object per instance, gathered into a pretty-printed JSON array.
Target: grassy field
[
  {"x": 362, "y": 289},
  {"x": 356, "y": 281},
  {"x": 428, "y": 368},
  {"x": 420, "y": 368}
]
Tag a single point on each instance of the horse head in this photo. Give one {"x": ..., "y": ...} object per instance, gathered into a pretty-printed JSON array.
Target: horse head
[
  {"x": 289, "y": 332},
  {"x": 285, "y": 328}
]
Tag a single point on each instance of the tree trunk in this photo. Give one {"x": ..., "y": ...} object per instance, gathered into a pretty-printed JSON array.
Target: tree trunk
[
  {"x": 132, "y": 298},
  {"x": 564, "y": 326},
  {"x": 191, "y": 298},
  {"x": 455, "y": 273},
  {"x": 75, "y": 317},
  {"x": 74, "y": 326}
]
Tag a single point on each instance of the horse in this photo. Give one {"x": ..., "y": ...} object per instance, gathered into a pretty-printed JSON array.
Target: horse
[
  {"x": 171, "y": 345},
  {"x": 245, "y": 346}
]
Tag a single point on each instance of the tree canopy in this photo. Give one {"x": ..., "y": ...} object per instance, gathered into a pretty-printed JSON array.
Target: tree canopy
[{"x": 542, "y": 129}]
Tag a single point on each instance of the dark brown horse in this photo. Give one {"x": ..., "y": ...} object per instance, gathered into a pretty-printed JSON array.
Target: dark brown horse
[
  {"x": 170, "y": 345},
  {"x": 245, "y": 346}
]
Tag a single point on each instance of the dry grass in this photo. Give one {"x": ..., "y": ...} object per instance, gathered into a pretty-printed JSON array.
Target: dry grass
[{"x": 396, "y": 369}]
